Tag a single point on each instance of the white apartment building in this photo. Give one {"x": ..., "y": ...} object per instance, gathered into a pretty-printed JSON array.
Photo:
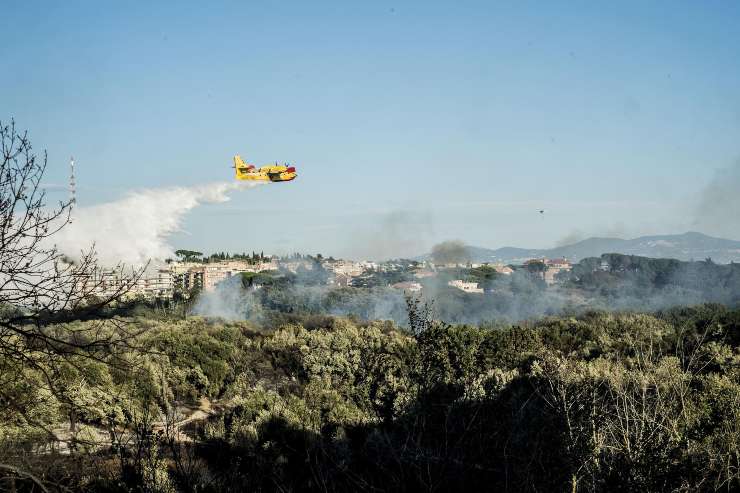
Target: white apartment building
[
  {"x": 468, "y": 287},
  {"x": 154, "y": 285},
  {"x": 294, "y": 265},
  {"x": 408, "y": 286},
  {"x": 216, "y": 272},
  {"x": 345, "y": 268}
]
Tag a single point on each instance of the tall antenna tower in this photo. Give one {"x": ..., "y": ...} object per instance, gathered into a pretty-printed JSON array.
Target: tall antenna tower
[{"x": 72, "y": 187}]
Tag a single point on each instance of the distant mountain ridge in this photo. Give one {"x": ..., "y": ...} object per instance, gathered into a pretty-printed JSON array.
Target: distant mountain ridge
[{"x": 686, "y": 246}]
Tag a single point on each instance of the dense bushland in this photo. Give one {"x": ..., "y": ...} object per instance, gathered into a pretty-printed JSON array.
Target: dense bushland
[{"x": 598, "y": 402}]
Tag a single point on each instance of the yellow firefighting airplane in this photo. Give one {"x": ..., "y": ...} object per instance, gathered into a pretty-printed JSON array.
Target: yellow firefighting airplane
[{"x": 271, "y": 172}]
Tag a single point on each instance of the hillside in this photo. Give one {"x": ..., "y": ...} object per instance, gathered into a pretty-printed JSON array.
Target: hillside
[{"x": 687, "y": 246}]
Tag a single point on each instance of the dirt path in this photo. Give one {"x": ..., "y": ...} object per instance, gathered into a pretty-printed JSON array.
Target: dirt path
[{"x": 101, "y": 436}]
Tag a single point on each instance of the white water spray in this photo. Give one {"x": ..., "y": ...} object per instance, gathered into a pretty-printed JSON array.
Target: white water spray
[{"x": 135, "y": 229}]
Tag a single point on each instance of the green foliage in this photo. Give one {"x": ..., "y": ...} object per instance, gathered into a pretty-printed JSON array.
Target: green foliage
[
  {"x": 536, "y": 267},
  {"x": 199, "y": 356},
  {"x": 188, "y": 255},
  {"x": 484, "y": 276},
  {"x": 627, "y": 279},
  {"x": 597, "y": 402}
]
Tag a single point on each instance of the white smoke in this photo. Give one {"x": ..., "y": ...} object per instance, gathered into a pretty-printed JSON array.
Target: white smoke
[
  {"x": 134, "y": 230},
  {"x": 229, "y": 301},
  {"x": 718, "y": 212}
]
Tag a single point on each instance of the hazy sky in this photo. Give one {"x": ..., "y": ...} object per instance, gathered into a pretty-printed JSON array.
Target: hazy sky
[{"x": 409, "y": 122}]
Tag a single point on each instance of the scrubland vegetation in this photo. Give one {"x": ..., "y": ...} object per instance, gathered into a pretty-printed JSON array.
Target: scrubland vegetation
[{"x": 602, "y": 401}]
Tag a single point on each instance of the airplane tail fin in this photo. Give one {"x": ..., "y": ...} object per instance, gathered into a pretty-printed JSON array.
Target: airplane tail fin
[{"x": 242, "y": 169}]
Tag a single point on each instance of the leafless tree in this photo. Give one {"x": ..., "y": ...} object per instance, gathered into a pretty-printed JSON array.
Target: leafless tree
[{"x": 41, "y": 289}]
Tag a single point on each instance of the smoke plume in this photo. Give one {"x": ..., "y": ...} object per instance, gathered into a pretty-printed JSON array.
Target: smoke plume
[
  {"x": 718, "y": 212},
  {"x": 450, "y": 252},
  {"x": 398, "y": 234},
  {"x": 571, "y": 238},
  {"x": 135, "y": 229},
  {"x": 230, "y": 302}
]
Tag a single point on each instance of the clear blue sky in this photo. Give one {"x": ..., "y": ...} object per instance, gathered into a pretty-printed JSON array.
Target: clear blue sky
[{"x": 409, "y": 122}]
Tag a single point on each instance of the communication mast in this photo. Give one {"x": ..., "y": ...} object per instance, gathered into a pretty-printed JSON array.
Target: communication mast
[{"x": 72, "y": 188}]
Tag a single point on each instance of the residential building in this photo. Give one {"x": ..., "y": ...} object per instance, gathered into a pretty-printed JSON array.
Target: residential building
[
  {"x": 342, "y": 280},
  {"x": 408, "y": 286},
  {"x": 216, "y": 272},
  {"x": 294, "y": 265},
  {"x": 468, "y": 287},
  {"x": 345, "y": 267},
  {"x": 555, "y": 267},
  {"x": 157, "y": 284}
]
